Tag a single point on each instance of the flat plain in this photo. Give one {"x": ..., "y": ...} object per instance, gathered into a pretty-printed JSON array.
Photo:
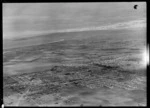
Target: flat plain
[{"x": 88, "y": 68}]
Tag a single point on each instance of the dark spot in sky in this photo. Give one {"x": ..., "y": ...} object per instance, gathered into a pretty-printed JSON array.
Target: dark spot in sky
[{"x": 135, "y": 6}]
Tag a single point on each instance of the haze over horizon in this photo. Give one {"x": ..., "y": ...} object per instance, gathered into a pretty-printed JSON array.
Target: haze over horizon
[{"x": 31, "y": 19}]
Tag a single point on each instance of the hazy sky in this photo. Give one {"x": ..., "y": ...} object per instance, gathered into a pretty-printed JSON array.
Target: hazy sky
[{"x": 25, "y": 19}]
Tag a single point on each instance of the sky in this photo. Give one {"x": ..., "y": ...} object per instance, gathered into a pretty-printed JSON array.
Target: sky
[{"x": 31, "y": 19}]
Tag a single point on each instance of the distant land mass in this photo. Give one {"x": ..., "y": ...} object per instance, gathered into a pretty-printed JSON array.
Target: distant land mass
[{"x": 57, "y": 35}]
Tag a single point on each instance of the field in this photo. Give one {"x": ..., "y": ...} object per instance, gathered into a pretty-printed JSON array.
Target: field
[{"x": 88, "y": 68}]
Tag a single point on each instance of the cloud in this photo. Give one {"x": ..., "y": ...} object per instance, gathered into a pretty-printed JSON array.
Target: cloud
[
  {"x": 22, "y": 19},
  {"x": 123, "y": 25}
]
